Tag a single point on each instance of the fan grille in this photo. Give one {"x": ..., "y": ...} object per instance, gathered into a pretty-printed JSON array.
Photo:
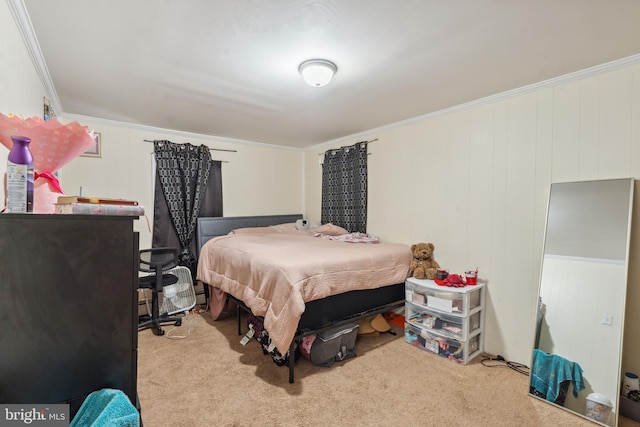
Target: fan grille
[{"x": 181, "y": 296}]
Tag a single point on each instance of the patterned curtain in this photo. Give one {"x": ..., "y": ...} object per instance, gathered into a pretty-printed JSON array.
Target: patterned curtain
[
  {"x": 344, "y": 187},
  {"x": 182, "y": 175}
]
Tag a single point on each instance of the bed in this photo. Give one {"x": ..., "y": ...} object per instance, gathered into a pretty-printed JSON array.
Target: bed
[{"x": 300, "y": 281}]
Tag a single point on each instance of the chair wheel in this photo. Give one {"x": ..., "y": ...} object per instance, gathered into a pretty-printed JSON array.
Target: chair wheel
[
  {"x": 160, "y": 332},
  {"x": 179, "y": 322}
]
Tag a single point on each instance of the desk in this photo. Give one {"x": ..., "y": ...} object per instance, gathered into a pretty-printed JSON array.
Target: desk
[{"x": 68, "y": 307}]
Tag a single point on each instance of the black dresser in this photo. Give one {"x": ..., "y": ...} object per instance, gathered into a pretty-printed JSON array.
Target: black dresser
[{"x": 68, "y": 307}]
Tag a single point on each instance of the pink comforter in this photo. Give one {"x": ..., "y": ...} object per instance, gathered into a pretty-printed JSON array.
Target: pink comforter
[{"x": 274, "y": 274}]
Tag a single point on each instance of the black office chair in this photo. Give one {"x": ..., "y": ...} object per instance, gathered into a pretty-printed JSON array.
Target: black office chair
[{"x": 157, "y": 261}]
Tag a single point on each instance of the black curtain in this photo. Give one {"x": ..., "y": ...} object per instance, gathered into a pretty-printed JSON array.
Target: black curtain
[
  {"x": 188, "y": 185},
  {"x": 344, "y": 187}
]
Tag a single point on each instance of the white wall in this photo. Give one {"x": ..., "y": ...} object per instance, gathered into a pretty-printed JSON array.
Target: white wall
[
  {"x": 475, "y": 182},
  {"x": 21, "y": 92},
  {"x": 256, "y": 179}
]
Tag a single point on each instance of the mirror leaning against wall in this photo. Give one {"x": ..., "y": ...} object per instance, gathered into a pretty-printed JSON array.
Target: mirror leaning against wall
[{"x": 577, "y": 352}]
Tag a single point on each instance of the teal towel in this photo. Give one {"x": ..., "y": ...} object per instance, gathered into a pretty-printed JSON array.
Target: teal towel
[
  {"x": 106, "y": 408},
  {"x": 549, "y": 370}
]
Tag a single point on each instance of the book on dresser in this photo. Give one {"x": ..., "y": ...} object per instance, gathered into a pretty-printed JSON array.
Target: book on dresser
[{"x": 97, "y": 206}]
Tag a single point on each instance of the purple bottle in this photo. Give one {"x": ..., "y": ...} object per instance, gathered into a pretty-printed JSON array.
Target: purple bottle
[{"x": 20, "y": 176}]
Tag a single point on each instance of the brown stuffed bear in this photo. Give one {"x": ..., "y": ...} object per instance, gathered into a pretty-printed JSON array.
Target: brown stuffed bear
[{"x": 423, "y": 266}]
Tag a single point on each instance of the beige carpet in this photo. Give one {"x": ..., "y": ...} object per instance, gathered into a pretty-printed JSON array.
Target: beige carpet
[{"x": 210, "y": 379}]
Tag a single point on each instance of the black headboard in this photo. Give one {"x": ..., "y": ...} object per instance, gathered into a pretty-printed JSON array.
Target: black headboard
[{"x": 211, "y": 227}]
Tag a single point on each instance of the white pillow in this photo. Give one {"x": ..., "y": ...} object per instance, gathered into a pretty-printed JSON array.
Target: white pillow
[
  {"x": 330, "y": 230},
  {"x": 284, "y": 227}
]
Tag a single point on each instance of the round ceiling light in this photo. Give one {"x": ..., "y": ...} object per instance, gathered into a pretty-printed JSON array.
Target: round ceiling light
[{"x": 317, "y": 72}]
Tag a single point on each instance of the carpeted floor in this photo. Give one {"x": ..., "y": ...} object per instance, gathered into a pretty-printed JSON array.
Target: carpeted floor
[{"x": 210, "y": 379}]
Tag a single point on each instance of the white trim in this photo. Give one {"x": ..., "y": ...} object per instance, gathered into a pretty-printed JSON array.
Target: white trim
[
  {"x": 587, "y": 72},
  {"x": 146, "y": 128},
  {"x": 20, "y": 15},
  {"x": 585, "y": 259}
]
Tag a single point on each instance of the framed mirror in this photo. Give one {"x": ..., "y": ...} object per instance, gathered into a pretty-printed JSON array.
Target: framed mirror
[{"x": 577, "y": 353}]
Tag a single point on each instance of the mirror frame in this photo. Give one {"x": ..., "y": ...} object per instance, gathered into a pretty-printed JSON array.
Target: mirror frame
[{"x": 591, "y": 254}]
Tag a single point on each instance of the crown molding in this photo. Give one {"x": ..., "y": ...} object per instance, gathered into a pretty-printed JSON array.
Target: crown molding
[
  {"x": 164, "y": 131},
  {"x": 20, "y": 15},
  {"x": 556, "y": 81}
]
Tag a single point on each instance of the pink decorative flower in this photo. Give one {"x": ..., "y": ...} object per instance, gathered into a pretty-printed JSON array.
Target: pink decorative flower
[{"x": 53, "y": 145}]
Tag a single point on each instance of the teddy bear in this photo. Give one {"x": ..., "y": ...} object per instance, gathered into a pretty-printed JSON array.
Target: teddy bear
[{"x": 423, "y": 266}]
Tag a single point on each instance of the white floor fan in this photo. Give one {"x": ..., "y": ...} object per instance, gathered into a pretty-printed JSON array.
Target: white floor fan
[{"x": 181, "y": 296}]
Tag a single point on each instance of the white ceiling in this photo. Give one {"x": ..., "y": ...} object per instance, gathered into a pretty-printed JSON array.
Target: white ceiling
[{"x": 230, "y": 68}]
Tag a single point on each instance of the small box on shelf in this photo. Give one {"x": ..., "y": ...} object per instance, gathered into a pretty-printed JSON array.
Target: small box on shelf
[{"x": 97, "y": 206}]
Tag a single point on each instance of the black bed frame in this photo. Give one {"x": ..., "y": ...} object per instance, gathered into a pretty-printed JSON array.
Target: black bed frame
[{"x": 320, "y": 314}]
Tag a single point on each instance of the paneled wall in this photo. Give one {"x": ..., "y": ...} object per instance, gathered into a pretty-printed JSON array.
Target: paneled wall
[{"x": 475, "y": 182}]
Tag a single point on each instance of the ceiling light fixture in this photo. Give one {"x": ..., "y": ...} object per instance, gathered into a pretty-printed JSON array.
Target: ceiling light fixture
[{"x": 317, "y": 72}]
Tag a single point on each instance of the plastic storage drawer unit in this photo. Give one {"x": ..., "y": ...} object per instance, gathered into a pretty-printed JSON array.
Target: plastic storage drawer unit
[{"x": 447, "y": 321}]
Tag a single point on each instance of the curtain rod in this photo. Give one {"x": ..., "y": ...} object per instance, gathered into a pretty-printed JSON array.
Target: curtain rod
[
  {"x": 360, "y": 142},
  {"x": 210, "y": 149}
]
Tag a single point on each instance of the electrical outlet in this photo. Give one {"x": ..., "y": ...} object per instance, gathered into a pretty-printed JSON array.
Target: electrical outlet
[{"x": 607, "y": 319}]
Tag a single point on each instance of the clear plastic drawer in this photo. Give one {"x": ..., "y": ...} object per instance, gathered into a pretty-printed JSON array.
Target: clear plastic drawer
[
  {"x": 461, "y": 352},
  {"x": 447, "y": 325},
  {"x": 457, "y": 301}
]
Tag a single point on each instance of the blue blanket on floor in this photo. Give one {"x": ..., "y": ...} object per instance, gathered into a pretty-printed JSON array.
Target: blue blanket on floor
[
  {"x": 106, "y": 408},
  {"x": 549, "y": 370}
]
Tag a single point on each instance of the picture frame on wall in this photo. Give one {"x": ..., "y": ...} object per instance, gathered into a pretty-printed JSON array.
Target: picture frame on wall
[{"x": 96, "y": 149}]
